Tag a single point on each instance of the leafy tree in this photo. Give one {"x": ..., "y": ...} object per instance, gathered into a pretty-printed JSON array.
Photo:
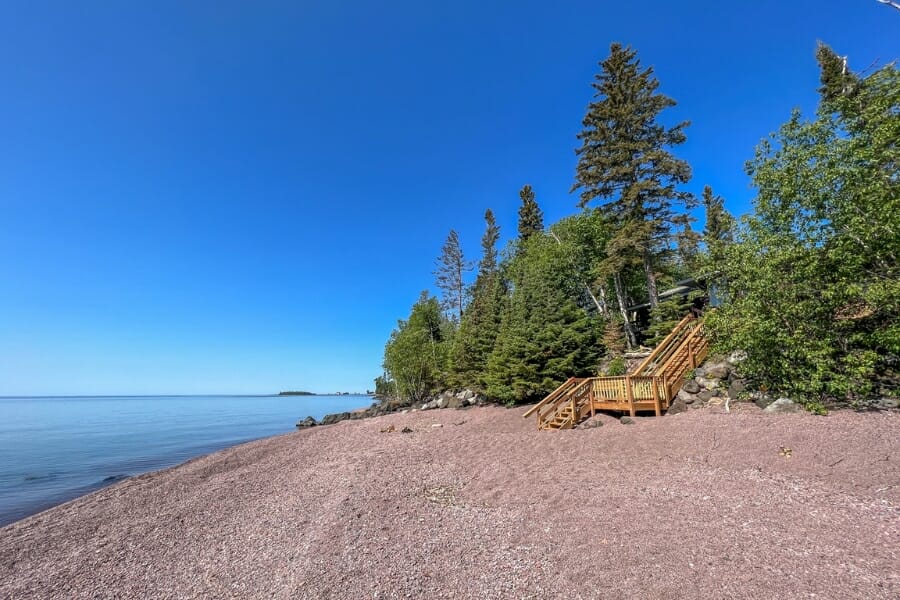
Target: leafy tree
[
  {"x": 545, "y": 335},
  {"x": 450, "y": 277},
  {"x": 481, "y": 321},
  {"x": 813, "y": 280},
  {"x": 624, "y": 161},
  {"x": 531, "y": 219},
  {"x": 415, "y": 356}
]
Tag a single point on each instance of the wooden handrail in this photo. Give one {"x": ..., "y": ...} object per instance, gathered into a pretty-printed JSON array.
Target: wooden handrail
[
  {"x": 550, "y": 397},
  {"x": 662, "y": 346}
]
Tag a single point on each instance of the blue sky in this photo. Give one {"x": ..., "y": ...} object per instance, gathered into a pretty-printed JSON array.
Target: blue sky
[{"x": 243, "y": 197}]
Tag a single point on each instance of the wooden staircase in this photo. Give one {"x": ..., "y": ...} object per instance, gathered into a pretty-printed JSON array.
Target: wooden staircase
[{"x": 652, "y": 386}]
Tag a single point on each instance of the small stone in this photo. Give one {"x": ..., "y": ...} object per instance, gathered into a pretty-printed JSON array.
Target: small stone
[
  {"x": 404, "y": 411},
  {"x": 626, "y": 421},
  {"x": 406, "y": 430},
  {"x": 706, "y": 395},
  {"x": 436, "y": 425}
]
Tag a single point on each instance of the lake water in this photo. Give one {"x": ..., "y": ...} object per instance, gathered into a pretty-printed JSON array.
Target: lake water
[{"x": 55, "y": 449}]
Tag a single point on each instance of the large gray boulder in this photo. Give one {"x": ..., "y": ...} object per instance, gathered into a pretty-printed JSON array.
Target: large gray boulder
[
  {"x": 335, "y": 418},
  {"x": 783, "y": 406},
  {"x": 307, "y": 422},
  {"x": 718, "y": 371}
]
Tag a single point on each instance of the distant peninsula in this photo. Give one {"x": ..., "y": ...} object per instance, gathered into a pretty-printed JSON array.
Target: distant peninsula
[{"x": 296, "y": 394}]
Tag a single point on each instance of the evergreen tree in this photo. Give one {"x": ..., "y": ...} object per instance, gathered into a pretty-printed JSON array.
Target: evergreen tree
[
  {"x": 836, "y": 78},
  {"x": 545, "y": 335},
  {"x": 481, "y": 320},
  {"x": 719, "y": 229},
  {"x": 488, "y": 262},
  {"x": 624, "y": 161},
  {"x": 531, "y": 219},
  {"x": 450, "y": 277}
]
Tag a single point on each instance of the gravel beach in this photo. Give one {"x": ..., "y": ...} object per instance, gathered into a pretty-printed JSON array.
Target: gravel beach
[{"x": 477, "y": 503}]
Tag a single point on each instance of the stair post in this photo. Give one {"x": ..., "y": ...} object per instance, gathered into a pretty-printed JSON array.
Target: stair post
[{"x": 629, "y": 394}]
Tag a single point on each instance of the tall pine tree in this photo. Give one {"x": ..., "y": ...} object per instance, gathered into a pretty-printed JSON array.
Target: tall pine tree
[
  {"x": 531, "y": 219},
  {"x": 450, "y": 277},
  {"x": 481, "y": 320},
  {"x": 624, "y": 161}
]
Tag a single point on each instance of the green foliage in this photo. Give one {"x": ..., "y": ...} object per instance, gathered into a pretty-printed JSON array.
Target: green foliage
[
  {"x": 531, "y": 219},
  {"x": 450, "y": 277},
  {"x": 814, "y": 282},
  {"x": 480, "y": 323},
  {"x": 624, "y": 160},
  {"x": 666, "y": 315},
  {"x": 616, "y": 367},
  {"x": 415, "y": 357},
  {"x": 545, "y": 335},
  {"x": 385, "y": 386}
]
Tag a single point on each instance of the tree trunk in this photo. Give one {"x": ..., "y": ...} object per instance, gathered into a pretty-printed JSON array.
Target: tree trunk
[
  {"x": 630, "y": 338},
  {"x": 651, "y": 281}
]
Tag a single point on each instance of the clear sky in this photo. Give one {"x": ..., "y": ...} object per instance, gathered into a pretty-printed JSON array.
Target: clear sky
[{"x": 243, "y": 197}]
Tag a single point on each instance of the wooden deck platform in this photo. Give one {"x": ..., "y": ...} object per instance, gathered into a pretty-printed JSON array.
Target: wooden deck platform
[{"x": 651, "y": 387}]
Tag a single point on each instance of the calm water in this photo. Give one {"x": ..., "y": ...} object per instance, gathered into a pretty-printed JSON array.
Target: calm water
[{"x": 54, "y": 449}]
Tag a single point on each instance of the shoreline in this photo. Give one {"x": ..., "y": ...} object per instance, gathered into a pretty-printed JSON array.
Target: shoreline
[{"x": 478, "y": 507}]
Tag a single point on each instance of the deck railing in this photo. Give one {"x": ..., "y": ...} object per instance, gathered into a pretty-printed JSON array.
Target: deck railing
[{"x": 652, "y": 386}]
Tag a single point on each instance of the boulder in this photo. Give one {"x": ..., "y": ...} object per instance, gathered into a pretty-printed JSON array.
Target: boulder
[
  {"x": 678, "y": 406},
  {"x": 718, "y": 371},
  {"x": 706, "y": 395},
  {"x": 761, "y": 399},
  {"x": 735, "y": 388},
  {"x": 737, "y": 356},
  {"x": 335, "y": 418},
  {"x": 709, "y": 384},
  {"x": 691, "y": 387},
  {"x": 468, "y": 394},
  {"x": 456, "y": 402},
  {"x": 307, "y": 422},
  {"x": 782, "y": 406},
  {"x": 887, "y": 403},
  {"x": 626, "y": 421},
  {"x": 590, "y": 423},
  {"x": 686, "y": 397}
]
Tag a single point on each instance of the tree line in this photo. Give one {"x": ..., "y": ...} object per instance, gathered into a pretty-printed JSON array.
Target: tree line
[{"x": 808, "y": 282}]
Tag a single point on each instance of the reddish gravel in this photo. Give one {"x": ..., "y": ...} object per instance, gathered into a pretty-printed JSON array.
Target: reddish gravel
[{"x": 698, "y": 505}]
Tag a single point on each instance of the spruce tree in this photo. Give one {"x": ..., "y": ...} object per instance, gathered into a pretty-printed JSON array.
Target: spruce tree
[
  {"x": 488, "y": 262},
  {"x": 450, "y": 277},
  {"x": 531, "y": 219},
  {"x": 481, "y": 319},
  {"x": 624, "y": 161},
  {"x": 719, "y": 229},
  {"x": 836, "y": 78}
]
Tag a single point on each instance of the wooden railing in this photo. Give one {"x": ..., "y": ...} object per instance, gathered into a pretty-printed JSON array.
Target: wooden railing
[{"x": 652, "y": 386}]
